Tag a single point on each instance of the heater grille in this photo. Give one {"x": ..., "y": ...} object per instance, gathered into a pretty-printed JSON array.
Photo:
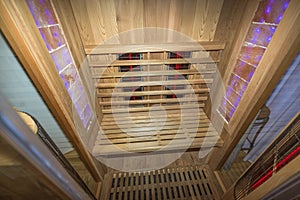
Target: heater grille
[{"x": 191, "y": 182}]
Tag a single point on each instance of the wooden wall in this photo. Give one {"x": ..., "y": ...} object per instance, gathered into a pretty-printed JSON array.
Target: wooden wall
[{"x": 99, "y": 20}]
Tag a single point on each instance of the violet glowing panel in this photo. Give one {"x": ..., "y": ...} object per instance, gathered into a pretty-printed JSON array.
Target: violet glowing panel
[
  {"x": 226, "y": 109},
  {"x": 52, "y": 36},
  {"x": 54, "y": 39},
  {"x": 237, "y": 84},
  {"x": 232, "y": 97},
  {"x": 244, "y": 70},
  {"x": 260, "y": 34},
  {"x": 61, "y": 58},
  {"x": 271, "y": 11},
  {"x": 42, "y": 12},
  {"x": 251, "y": 54},
  {"x": 69, "y": 75}
]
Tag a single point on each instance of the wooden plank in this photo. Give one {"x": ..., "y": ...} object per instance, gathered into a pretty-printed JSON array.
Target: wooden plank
[
  {"x": 141, "y": 109},
  {"x": 118, "y": 138},
  {"x": 154, "y": 146},
  {"x": 154, "y": 83},
  {"x": 144, "y": 48},
  {"x": 151, "y": 101},
  {"x": 153, "y": 73},
  {"x": 166, "y": 122},
  {"x": 117, "y": 63},
  {"x": 154, "y": 92}
]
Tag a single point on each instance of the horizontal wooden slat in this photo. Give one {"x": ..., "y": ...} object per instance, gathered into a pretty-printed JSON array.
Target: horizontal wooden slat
[
  {"x": 137, "y": 131},
  {"x": 114, "y": 63},
  {"x": 153, "y": 73},
  {"x": 178, "y": 144},
  {"x": 149, "y": 132},
  {"x": 141, "y": 109},
  {"x": 136, "y": 125},
  {"x": 142, "y": 48},
  {"x": 121, "y": 118},
  {"x": 154, "y": 92},
  {"x": 154, "y": 83},
  {"x": 152, "y": 101}
]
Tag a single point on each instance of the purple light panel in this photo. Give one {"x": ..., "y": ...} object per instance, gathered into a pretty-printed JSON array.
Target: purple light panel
[
  {"x": 261, "y": 31},
  {"x": 50, "y": 30}
]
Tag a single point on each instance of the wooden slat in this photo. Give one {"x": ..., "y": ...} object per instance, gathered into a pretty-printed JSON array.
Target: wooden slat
[
  {"x": 152, "y": 101},
  {"x": 153, "y": 83},
  {"x": 153, "y": 73},
  {"x": 154, "y": 92},
  {"x": 166, "y": 122},
  {"x": 143, "y": 48},
  {"x": 169, "y": 183},
  {"x": 141, "y": 109},
  {"x": 117, "y": 63}
]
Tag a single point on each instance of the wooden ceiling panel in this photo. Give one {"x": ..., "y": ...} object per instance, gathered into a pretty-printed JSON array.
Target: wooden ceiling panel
[{"x": 99, "y": 20}]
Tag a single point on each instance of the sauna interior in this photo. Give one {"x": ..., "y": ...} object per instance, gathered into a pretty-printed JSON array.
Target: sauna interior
[{"x": 150, "y": 99}]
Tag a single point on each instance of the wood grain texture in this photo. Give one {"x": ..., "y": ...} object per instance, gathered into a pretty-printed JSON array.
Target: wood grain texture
[{"x": 99, "y": 21}]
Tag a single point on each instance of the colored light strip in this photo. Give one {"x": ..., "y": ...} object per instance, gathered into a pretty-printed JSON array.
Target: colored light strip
[{"x": 279, "y": 165}]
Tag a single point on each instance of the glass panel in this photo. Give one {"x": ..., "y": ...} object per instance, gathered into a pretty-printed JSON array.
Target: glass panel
[
  {"x": 87, "y": 115},
  {"x": 260, "y": 34},
  {"x": 42, "y": 12},
  {"x": 52, "y": 37},
  {"x": 237, "y": 84},
  {"x": 244, "y": 70},
  {"x": 69, "y": 75},
  {"x": 61, "y": 58},
  {"x": 226, "y": 109},
  {"x": 251, "y": 54},
  {"x": 233, "y": 97},
  {"x": 271, "y": 11}
]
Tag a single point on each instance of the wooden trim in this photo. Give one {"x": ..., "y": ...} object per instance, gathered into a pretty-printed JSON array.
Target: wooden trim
[
  {"x": 32, "y": 153},
  {"x": 281, "y": 51},
  {"x": 144, "y": 48},
  {"x": 19, "y": 29}
]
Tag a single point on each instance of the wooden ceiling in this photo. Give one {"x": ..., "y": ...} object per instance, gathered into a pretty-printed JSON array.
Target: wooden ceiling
[{"x": 99, "y": 20}]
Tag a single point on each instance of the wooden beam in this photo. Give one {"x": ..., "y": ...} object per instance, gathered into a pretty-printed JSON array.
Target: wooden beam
[
  {"x": 143, "y": 48},
  {"x": 281, "y": 51},
  {"x": 19, "y": 29}
]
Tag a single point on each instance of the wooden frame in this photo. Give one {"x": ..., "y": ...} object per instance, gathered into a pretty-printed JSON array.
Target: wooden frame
[
  {"x": 35, "y": 156},
  {"x": 20, "y": 31}
]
